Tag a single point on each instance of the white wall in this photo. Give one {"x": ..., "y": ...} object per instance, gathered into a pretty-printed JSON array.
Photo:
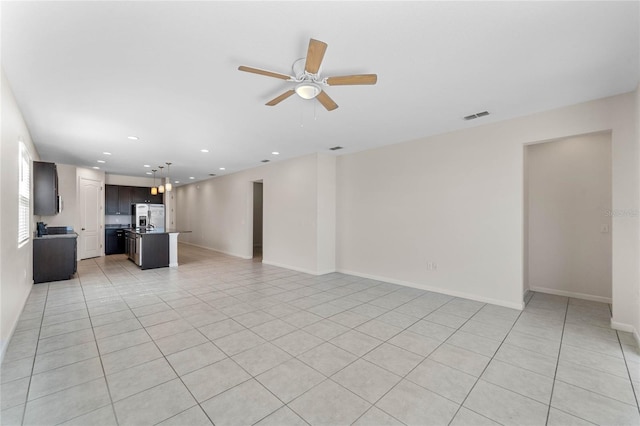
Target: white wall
[
  {"x": 635, "y": 298},
  {"x": 457, "y": 200},
  {"x": 219, "y": 212},
  {"x": 110, "y": 179},
  {"x": 326, "y": 215},
  {"x": 569, "y": 201},
  {"x": 16, "y": 277}
]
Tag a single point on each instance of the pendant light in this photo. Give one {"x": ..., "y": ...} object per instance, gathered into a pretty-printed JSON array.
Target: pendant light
[
  {"x": 168, "y": 186},
  {"x": 154, "y": 190},
  {"x": 161, "y": 186}
]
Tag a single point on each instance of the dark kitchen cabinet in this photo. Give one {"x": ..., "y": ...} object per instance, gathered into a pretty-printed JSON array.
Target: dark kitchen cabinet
[
  {"x": 114, "y": 241},
  {"x": 54, "y": 258},
  {"x": 155, "y": 251},
  {"x": 45, "y": 189},
  {"x": 143, "y": 195},
  {"x": 111, "y": 201},
  {"x": 157, "y": 199},
  {"x": 118, "y": 199},
  {"x": 124, "y": 200}
]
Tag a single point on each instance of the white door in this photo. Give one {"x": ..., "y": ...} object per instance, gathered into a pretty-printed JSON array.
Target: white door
[{"x": 89, "y": 241}]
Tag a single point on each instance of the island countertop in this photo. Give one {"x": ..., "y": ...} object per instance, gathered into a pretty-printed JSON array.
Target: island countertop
[{"x": 156, "y": 231}]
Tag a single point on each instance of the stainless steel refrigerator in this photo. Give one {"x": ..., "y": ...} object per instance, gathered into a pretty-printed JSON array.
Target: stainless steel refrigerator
[{"x": 149, "y": 216}]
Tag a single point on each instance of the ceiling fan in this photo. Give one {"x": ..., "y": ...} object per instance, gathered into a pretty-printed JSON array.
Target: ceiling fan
[{"x": 309, "y": 83}]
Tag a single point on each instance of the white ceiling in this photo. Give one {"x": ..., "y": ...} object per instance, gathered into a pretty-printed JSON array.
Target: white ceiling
[{"x": 88, "y": 74}]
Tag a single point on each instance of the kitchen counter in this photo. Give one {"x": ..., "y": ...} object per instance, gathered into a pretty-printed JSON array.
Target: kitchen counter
[
  {"x": 49, "y": 236},
  {"x": 117, "y": 226},
  {"x": 156, "y": 231}
]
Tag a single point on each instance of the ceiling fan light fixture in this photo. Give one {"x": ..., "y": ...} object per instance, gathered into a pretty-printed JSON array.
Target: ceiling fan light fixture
[{"x": 308, "y": 90}]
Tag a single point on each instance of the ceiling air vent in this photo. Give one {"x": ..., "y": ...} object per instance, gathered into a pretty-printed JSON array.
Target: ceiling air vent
[
  {"x": 476, "y": 115},
  {"x": 265, "y": 161},
  {"x": 335, "y": 148},
  {"x": 212, "y": 174}
]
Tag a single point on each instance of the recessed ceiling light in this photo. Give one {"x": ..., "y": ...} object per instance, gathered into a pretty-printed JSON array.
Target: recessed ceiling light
[
  {"x": 275, "y": 153},
  {"x": 133, "y": 138},
  {"x": 204, "y": 150},
  {"x": 146, "y": 165},
  {"x": 148, "y": 173},
  {"x": 101, "y": 161},
  {"x": 191, "y": 177},
  {"x": 222, "y": 168},
  {"x": 177, "y": 181},
  {"x": 106, "y": 153},
  {"x": 96, "y": 167}
]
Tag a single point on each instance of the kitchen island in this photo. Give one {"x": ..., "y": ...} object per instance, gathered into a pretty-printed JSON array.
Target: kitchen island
[{"x": 152, "y": 248}]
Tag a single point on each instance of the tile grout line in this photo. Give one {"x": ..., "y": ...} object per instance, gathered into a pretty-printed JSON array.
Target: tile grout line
[
  {"x": 624, "y": 357},
  {"x": 95, "y": 340},
  {"x": 485, "y": 368},
  {"x": 347, "y": 365},
  {"x": 424, "y": 357},
  {"x": 35, "y": 353},
  {"x": 555, "y": 373}
]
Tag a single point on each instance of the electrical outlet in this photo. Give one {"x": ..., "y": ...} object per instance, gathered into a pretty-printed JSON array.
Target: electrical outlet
[{"x": 432, "y": 266}]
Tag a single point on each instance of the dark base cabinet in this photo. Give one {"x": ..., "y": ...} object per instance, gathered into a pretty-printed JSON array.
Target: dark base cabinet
[
  {"x": 114, "y": 241},
  {"x": 155, "y": 251},
  {"x": 54, "y": 258},
  {"x": 148, "y": 250}
]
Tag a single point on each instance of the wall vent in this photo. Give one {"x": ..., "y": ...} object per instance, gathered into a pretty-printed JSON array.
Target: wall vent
[
  {"x": 476, "y": 115},
  {"x": 335, "y": 148}
]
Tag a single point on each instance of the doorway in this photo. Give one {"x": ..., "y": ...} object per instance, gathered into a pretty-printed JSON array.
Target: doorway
[
  {"x": 257, "y": 220},
  {"x": 567, "y": 217},
  {"x": 89, "y": 237}
]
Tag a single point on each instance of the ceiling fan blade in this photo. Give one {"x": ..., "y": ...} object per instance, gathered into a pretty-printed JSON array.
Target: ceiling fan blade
[
  {"x": 263, "y": 72},
  {"x": 349, "y": 80},
  {"x": 277, "y": 100},
  {"x": 315, "y": 54},
  {"x": 326, "y": 101}
]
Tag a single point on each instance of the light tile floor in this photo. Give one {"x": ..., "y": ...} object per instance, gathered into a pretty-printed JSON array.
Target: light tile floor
[{"x": 229, "y": 341}]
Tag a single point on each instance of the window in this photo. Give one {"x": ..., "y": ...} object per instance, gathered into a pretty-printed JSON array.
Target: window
[{"x": 24, "y": 194}]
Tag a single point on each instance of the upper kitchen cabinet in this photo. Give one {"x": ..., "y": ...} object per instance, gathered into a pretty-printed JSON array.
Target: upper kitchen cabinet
[
  {"x": 157, "y": 199},
  {"x": 125, "y": 198},
  {"x": 118, "y": 199},
  {"x": 45, "y": 189},
  {"x": 143, "y": 195},
  {"x": 111, "y": 200}
]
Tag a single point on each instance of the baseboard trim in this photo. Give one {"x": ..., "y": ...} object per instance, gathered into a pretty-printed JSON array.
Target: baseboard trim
[
  {"x": 294, "y": 268},
  {"x": 5, "y": 343},
  {"x": 575, "y": 295},
  {"x": 627, "y": 328},
  {"x": 216, "y": 250},
  {"x": 513, "y": 305}
]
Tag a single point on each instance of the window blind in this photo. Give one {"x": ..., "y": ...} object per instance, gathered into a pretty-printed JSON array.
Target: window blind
[{"x": 24, "y": 194}]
